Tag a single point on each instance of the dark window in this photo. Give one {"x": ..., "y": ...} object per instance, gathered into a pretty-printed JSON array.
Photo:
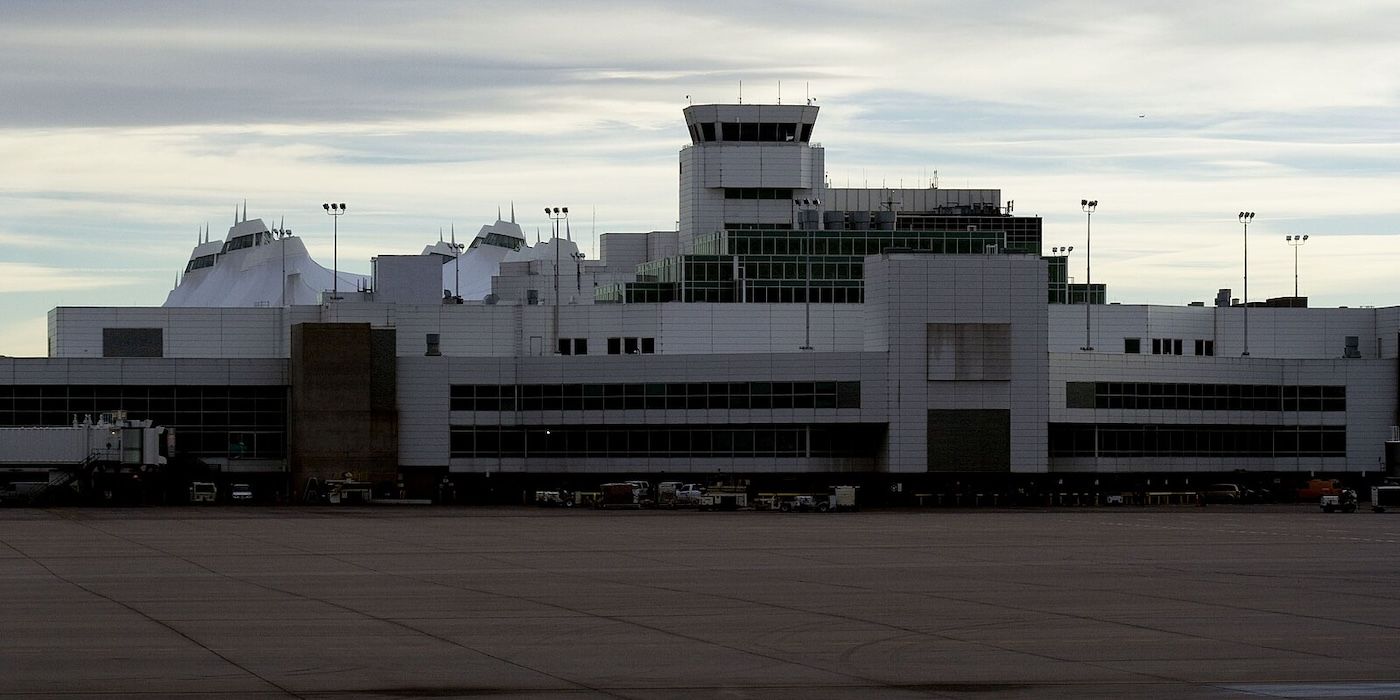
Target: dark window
[
  {"x": 566, "y": 346},
  {"x": 781, "y": 441},
  {"x": 1132, "y": 346},
  {"x": 806, "y": 133},
  {"x": 133, "y": 342},
  {"x": 767, "y": 132},
  {"x": 1195, "y": 440},
  {"x": 748, "y": 131},
  {"x": 1176, "y": 346},
  {"x": 580, "y": 346},
  {"x": 787, "y": 132},
  {"x": 614, "y": 346},
  {"x": 707, "y": 130},
  {"x": 629, "y": 346},
  {"x": 730, "y": 131},
  {"x": 648, "y": 346},
  {"x": 1156, "y": 346}
]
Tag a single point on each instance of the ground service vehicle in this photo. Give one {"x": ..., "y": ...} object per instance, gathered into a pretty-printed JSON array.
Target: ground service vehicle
[
  {"x": 241, "y": 492},
  {"x": 724, "y": 498},
  {"x": 674, "y": 494},
  {"x": 803, "y": 504},
  {"x": 1317, "y": 488},
  {"x": 1344, "y": 501},
  {"x": 619, "y": 494},
  {"x": 840, "y": 498},
  {"x": 1383, "y": 497},
  {"x": 643, "y": 491},
  {"x": 1222, "y": 493},
  {"x": 203, "y": 492},
  {"x": 561, "y": 498}
]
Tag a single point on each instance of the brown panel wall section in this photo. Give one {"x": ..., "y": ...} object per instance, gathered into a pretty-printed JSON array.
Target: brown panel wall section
[{"x": 343, "y": 413}]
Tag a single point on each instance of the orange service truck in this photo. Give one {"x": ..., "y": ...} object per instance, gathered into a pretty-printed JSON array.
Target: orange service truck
[{"x": 1317, "y": 488}]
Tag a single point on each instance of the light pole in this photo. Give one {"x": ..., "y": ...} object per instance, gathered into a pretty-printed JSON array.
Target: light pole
[
  {"x": 335, "y": 210},
  {"x": 1064, "y": 251},
  {"x": 1297, "y": 242},
  {"x": 457, "y": 267},
  {"x": 1245, "y": 218},
  {"x": 578, "y": 269},
  {"x": 556, "y": 214},
  {"x": 1088, "y": 205}
]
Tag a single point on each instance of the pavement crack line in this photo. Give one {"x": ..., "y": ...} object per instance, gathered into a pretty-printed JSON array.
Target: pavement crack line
[{"x": 153, "y": 620}]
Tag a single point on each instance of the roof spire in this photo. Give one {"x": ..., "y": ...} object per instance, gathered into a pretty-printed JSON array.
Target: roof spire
[
  {"x": 498, "y": 212},
  {"x": 245, "y": 209},
  {"x": 439, "y": 234},
  {"x": 512, "y": 211}
]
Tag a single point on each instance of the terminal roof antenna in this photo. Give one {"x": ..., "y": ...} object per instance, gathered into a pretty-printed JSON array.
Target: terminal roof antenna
[
  {"x": 741, "y": 92},
  {"x": 780, "y": 92}
]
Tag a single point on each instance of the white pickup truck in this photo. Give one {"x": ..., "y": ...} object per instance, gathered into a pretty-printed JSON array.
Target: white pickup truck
[{"x": 674, "y": 494}]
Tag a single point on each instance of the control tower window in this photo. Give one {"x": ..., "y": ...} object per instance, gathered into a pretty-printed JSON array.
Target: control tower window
[
  {"x": 806, "y": 133},
  {"x": 694, "y": 134},
  {"x": 707, "y": 130},
  {"x": 787, "y": 132},
  {"x": 748, "y": 131},
  {"x": 767, "y": 132},
  {"x": 730, "y": 131}
]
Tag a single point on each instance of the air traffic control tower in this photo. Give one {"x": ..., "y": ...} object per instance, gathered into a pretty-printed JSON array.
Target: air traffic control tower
[{"x": 745, "y": 165}]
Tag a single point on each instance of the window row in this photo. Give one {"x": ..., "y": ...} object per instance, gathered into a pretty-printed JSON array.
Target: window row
[
  {"x": 671, "y": 396},
  {"x": 1119, "y": 440},
  {"x": 798, "y": 270},
  {"x": 758, "y": 193},
  {"x": 755, "y": 294},
  {"x": 751, "y": 131},
  {"x": 1205, "y": 397},
  {"x": 573, "y": 346},
  {"x": 1169, "y": 346},
  {"x": 201, "y": 417},
  {"x": 856, "y": 245},
  {"x": 631, "y": 346},
  {"x": 201, "y": 262},
  {"x": 721, "y": 441}
]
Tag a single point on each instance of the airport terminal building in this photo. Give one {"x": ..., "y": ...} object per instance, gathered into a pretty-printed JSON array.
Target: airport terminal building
[{"x": 788, "y": 332}]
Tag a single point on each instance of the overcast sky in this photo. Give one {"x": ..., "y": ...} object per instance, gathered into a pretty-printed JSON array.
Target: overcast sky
[{"x": 124, "y": 127}]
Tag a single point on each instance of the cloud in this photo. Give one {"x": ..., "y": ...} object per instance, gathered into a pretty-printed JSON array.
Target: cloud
[
  {"x": 128, "y": 126},
  {"x": 24, "y": 277}
]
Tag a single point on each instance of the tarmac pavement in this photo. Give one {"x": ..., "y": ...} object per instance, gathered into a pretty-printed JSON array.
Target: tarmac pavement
[{"x": 252, "y": 602}]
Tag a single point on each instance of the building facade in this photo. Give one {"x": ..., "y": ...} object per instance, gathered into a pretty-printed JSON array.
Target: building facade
[{"x": 902, "y": 339}]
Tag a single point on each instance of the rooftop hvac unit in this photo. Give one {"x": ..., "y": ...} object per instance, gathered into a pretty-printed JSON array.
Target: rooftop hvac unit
[{"x": 884, "y": 220}]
